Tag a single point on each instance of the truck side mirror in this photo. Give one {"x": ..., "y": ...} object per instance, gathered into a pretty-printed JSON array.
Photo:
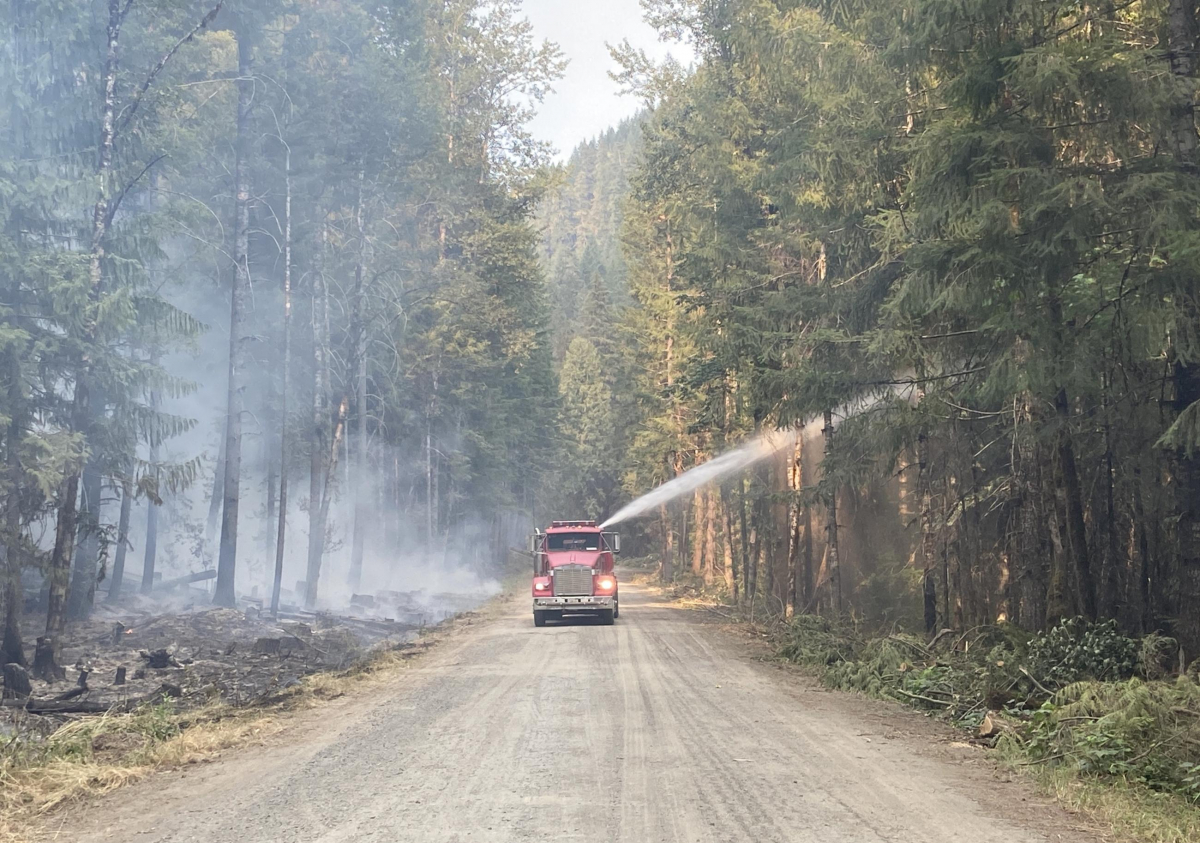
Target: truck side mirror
[
  {"x": 616, "y": 542},
  {"x": 533, "y": 543}
]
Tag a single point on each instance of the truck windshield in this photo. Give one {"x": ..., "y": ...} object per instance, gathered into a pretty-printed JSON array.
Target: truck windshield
[{"x": 573, "y": 541}]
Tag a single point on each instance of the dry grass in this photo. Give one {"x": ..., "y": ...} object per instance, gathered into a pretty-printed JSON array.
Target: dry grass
[{"x": 95, "y": 755}]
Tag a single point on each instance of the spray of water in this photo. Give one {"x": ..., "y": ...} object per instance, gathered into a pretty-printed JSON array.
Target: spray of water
[
  {"x": 755, "y": 450},
  {"x": 739, "y": 459}
]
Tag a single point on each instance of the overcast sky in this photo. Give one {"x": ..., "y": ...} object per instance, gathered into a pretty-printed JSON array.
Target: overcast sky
[{"x": 585, "y": 101}]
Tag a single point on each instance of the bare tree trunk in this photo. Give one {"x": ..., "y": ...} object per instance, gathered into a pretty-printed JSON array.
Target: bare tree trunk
[
  {"x": 217, "y": 497},
  {"x": 710, "y": 536},
  {"x": 149, "y": 558},
  {"x": 668, "y": 561},
  {"x": 831, "y": 526},
  {"x": 1183, "y": 32},
  {"x": 928, "y": 537},
  {"x": 744, "y": 545},
  {"x": 312, "y": 584},
  {"x": 82, "y": 589},
  {"x": 731, "y": 579},
  {"x": 697, "y": 536},
  {"x": 117, "y": 580},
  {"x": 430, "y": 516},
  {"x": 281, "y": 530},
  {"x": 795, "y": 550},
  {"x": 12, "y": 650},
  {"x": 318, "y": 476},
  {"x": 272, "y": 485},
  {"x": 808, "y": 559},
  {"x": 362, "y": 466},
  {"x": 225, "y": 593},
  {"x": 1070, "y": 494}
]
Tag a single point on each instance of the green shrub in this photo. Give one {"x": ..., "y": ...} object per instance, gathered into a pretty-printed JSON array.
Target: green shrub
[
  {"x": 1141, "y": 732},
  {"x": 1076, "y": 650}
]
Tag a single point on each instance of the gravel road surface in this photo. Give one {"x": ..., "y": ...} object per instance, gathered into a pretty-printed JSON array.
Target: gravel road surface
[{"x": 663, "y": 727}]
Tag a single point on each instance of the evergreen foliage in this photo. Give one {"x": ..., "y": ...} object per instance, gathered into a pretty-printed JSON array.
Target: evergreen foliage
[
  {"x": 954, "y": 244},
  {"x": 374, "y": 156}
]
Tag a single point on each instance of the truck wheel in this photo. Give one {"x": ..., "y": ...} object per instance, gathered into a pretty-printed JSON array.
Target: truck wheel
[
  {"x": 608, "y": 616},
  {"x": 539, "y": 618}
]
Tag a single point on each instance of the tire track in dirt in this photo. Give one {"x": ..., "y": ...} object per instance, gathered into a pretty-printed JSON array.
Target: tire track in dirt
[{"x": 661, "y": 728}]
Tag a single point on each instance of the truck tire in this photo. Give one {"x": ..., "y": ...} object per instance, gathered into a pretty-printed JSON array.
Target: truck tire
[
  {"x": 608, "y": 616},
  {"x": 539, "y": 618}
]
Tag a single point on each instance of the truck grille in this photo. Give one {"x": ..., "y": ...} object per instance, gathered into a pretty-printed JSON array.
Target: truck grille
[{"x": 572, "y": 580}]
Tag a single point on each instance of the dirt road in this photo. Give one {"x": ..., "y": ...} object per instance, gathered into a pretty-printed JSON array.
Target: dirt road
[{"x": 661, "y": 728}]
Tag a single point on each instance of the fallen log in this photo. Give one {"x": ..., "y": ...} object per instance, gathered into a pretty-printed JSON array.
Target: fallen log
[
  {"x": 67, "y": 707},
  {"x": 200, "y": 576},
  {"x": 90, "y": 707}
]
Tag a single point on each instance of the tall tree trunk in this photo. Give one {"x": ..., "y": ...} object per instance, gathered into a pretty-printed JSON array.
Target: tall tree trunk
[
  {"x": 1187, "y": 501},
  {"x": 46, "y": 658},
  {"x": 82, "y": 590},
  {"x": 928, "y": 537},
  {"x": 361, "y": 464},
  {"x": 730, "y": 570},
  {"x": 225, "y": 593},
  {"x": 697, "y": 536},
  {"x": 312, "y": 584},
  {"x": 281, "y": 529},
  {"x": 796, "y": 485},
  {"x": 1140, "y": 551},
  {"x": 272, "y": 483},
  {"x": 744, "y": 544},
  {"x": 808, "y": 559},
  {"x": 150, "y": 556},
  {"x": 1056, "y": 586},
  {"x": 12, "y": 650},
  {"x": 1110, "y": 596},
  {"x": 1183, "y": 34},
  {"x": 218, "y": 493},
  {"x": 117, "y": 580},
  {"x": 319, "y": 477},
  {"x": 710, "y": 536},
  {"x": 667, "y": 572},
  {"x": 831, "y": 526},
  {"x": 1070, "y": 492}
]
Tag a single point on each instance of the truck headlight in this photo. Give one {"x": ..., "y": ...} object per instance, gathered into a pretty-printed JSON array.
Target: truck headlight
[
  {"x": 541, "y": 586},
  {"x": 606, "y": 584}
]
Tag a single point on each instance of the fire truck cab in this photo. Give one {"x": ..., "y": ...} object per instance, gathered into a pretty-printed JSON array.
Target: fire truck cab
[{"x": 573, "y": 572}]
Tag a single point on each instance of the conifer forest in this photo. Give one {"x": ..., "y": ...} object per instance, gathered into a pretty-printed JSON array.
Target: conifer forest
[
  {"x": 294, "y": 301},
  {"x": 873, "y": 327},
  {"x": 953, "y": 245}
]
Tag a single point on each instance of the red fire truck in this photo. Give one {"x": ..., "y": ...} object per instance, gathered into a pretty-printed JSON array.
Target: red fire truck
[{"x": 573, "y": 572}]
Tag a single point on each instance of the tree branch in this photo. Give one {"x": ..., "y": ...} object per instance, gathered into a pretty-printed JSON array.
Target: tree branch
[{"x": 128, "y": 112}]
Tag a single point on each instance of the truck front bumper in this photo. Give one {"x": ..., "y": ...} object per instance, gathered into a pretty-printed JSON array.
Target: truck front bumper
[{"x": 592, "y": 603}]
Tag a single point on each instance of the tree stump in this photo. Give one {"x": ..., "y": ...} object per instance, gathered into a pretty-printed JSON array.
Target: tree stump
[
  {"x": 16, "y": 683},
  {"x": 267, "y": 647},
  {"x": 45, "y": 661},
  {"x": 119, "y": 679}
]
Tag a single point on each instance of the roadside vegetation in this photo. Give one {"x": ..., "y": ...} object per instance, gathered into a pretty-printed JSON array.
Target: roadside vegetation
[{"x": 1095, "y": 714}]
